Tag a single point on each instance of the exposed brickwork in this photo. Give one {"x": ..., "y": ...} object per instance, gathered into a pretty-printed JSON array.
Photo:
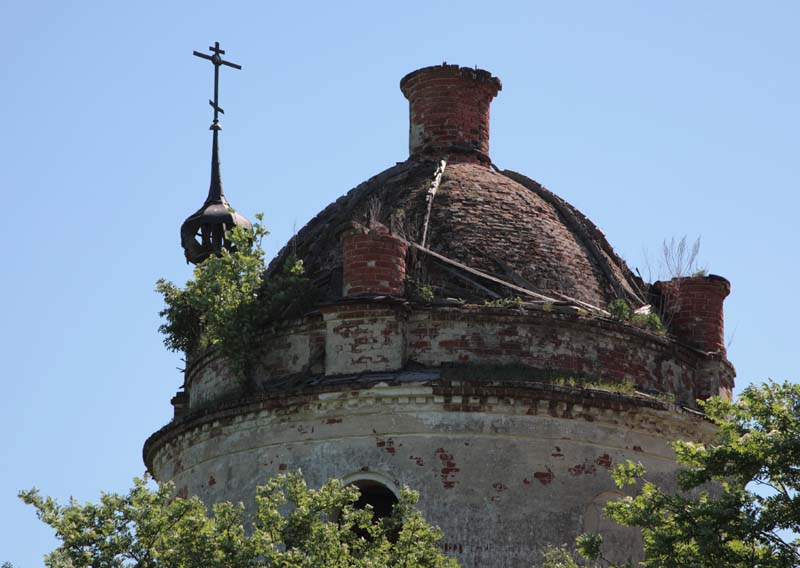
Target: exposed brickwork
[
  {"x": 449, "y": 109},
  {"x": 693, "y": 308},
  {"x": 362, "y": 338},
  {"x": 473, "y": 342},
  {"x": 374, "y": 262},
  {"x": 545, "y": 344},
  {"x": 298, "y": 349},
  {"x": 497, "y": 222},
  {"x": 479, "y": 217}
]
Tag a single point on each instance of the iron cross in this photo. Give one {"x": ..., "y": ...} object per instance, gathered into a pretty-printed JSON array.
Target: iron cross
[{"x": 217, "y": 60}]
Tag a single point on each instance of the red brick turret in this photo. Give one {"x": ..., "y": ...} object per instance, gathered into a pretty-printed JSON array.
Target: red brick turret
[
  {"x": 449, "y": 109},
  {"x": 693, "y": 309},
  {"x": 374, "y": 262}
]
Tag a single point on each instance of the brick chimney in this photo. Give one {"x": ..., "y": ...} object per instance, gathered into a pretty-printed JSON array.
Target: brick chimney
[
  {"x": 693, "y": 310},
  {"x": 374, "y": 262},
  {"x": 449, "y": 110}
]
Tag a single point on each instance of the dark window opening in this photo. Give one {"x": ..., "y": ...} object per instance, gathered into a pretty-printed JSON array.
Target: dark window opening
[
  {"x": 382, "y": 501},
  {"x": 377, "y": 495}
]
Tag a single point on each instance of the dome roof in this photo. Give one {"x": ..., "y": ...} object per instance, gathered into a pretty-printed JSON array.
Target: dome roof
[
  {"x": 450, "y": 198},
  {"x": 499, "y": 222}
]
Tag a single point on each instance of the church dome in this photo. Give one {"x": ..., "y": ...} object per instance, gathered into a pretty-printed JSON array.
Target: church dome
[
  {"x": 449, "y": 198},
  {"x": 505, "y": 416}
]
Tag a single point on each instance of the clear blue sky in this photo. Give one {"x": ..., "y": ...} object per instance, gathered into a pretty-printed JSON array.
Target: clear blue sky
[{"x": 655, "y": 119}]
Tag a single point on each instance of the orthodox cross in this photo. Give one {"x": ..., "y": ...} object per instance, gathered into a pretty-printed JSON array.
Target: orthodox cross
[{"x": 217, "y": 60}]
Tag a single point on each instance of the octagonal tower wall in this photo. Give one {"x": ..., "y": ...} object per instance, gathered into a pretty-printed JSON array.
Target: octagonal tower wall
[
  {"x": 533, "y": 344},
  {"x": 504, "y": 469}
]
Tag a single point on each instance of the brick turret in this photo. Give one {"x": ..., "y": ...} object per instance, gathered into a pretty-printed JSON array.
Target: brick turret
[
  {"x": 693, "y": 309},
  {"x": 374, "y": 261},
  {"x": 449, "y": 110}
]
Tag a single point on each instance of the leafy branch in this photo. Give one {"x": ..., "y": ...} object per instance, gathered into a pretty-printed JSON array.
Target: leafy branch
[
  {"x": 717, "y": 517},
  {"x": 294, "y": 526},
  {"x": 230, "y": 302}
]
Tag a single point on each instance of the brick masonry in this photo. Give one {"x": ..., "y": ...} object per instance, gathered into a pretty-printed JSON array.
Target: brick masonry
[
  {"x": 374, "y": 262},
  {"x": 694, "y": 312},
  {"x": 449, "y": 108},
  {"x": 495, "y": 221},
  {"x": 372, "y": 336}
]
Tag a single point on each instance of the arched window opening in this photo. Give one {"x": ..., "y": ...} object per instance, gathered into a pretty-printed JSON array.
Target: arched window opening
[{"x": 377, "y": 495}]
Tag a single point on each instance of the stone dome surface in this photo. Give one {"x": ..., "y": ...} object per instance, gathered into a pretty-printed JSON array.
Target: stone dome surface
[
  {"x": 499, "y": 222},
  {"x": 451, "y": 199}
]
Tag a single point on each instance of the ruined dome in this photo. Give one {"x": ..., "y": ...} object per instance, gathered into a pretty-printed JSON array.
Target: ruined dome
[
  {"x": 449, "y": 198},
  {"x": 504, "y": 416}
]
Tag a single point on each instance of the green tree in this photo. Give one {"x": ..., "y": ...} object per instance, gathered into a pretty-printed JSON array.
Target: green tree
[
  {"x": 737, "y": 504},
  {"x": 293, "y": 527},
  {"x": 230, "y": 301}
]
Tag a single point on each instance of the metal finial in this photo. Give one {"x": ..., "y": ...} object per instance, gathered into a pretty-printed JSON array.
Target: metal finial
[
  {"x": 217, "y": 60},
  {"x": 205, "y": 232}
]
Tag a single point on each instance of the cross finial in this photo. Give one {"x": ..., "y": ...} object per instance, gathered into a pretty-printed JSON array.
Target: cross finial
[
  {"x": 217, "y": 60},
  {"x": 205, "y": 232}
]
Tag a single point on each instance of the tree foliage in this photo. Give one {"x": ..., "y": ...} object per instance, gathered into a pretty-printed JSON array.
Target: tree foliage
[
  {"x": 293, "y": 527},
  {"x": 737, "y": 503},
  {"x": 230, "y": 302}
]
